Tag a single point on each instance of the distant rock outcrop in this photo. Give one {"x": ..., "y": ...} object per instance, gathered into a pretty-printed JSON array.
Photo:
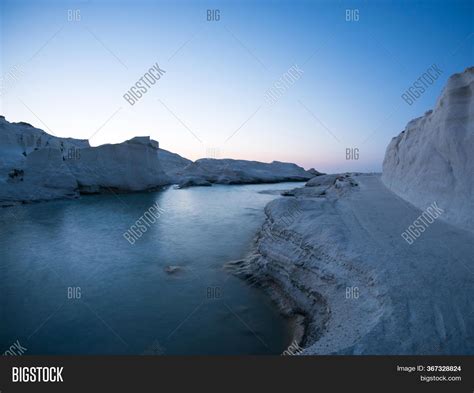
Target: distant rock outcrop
[
  {"x": 314, "y": 172},
  {"x": 432, "y": 160},
  {"x": 229, "y": 171},
  {"x": 172, "y": 164}
]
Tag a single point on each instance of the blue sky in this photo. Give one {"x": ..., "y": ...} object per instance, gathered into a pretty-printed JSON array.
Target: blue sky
[{"x": 73, "y": 74}]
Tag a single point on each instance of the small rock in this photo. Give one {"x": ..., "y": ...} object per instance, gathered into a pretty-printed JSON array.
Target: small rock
[{"x": 173, "y": 269}]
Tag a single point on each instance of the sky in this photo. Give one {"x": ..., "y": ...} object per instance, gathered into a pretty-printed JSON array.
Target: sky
[{"x": 66, "y": 66}]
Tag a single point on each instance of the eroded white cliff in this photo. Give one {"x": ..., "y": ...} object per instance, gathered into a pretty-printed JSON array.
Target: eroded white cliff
[
  {"x": 37, "y": 166},
  {"x": 332, "y": 257},
  {"x": 432, "y": 160},
  {"x": 129, "y": 166}
]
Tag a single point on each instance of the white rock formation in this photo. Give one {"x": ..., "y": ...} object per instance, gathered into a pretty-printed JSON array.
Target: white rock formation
[
  {"x": 129, "y": 166},
  {"x": 172, "y": 164},
  {"x": 332, "y": 253},
  {"x": 37, "y": 166},
  {"x": 229, "y": 171},
  {"x": 41, "y": 175},
  {"x": 31, "y": 164},
  {"x": 333, "y": 258},
  {"x": 432, "y": 160}
]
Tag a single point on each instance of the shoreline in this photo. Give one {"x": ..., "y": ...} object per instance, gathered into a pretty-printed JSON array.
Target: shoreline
[
  {"x": 110, "y": 191},
  {"x": 305, "y": 323},
  {"x": 347, "y": 281},
  {"x": 302, "y": 304},
  {"x": 297, "y": 317}
]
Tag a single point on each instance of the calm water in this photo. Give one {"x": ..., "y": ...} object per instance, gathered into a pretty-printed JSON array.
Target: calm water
[{"x": 128, "y": 303}]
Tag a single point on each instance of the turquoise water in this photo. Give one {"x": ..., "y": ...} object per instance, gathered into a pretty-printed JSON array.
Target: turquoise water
[{"x": 71, "y": 284}]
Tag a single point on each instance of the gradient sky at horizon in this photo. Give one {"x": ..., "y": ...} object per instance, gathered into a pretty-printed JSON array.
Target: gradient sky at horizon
[{"x": 74, "y": 74}]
